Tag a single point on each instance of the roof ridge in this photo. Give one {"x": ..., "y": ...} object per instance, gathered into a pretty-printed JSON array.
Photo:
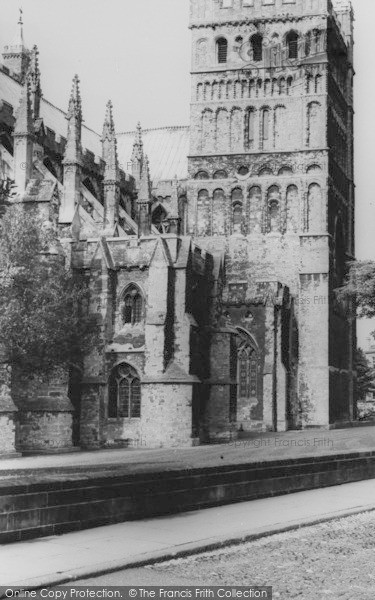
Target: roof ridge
[
  {"x": 166, "y": 127},
  {"x": 63, "y": 112}
]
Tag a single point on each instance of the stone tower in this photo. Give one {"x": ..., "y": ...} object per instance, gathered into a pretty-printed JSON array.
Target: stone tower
[{"x": 271, "y": 188}]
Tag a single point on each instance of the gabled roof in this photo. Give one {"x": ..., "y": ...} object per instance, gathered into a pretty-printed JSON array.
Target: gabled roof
[{"x": 167, "y": 149}]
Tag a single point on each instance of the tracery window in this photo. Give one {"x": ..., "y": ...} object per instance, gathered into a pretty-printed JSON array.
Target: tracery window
[
  {"x": 247, "y": 364},
  {"x": 124, "y": 398},
  {"x": 132, "y": 306}
]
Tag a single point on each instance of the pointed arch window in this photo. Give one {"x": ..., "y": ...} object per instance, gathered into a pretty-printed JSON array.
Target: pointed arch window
[
  {"x": 124, "y": 393},
  {"x": 132, "y": 306},
  {"x": 247, "y": 368},
  {"x": 256, "y": 41},
  {"x": 222, "y": 50}
]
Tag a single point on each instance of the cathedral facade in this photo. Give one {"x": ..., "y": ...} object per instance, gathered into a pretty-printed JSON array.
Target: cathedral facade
[{"x": 212, "y": 251}]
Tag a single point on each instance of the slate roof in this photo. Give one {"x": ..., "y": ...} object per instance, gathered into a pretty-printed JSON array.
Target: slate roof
[
  {"x": 53, "y": 117},
  {"x": 167, "y": 147}
]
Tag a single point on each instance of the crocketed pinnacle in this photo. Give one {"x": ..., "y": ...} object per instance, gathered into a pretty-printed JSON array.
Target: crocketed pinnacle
[
  {"x": 109, "y": 125},
  {"x": 75, "y": 104}
]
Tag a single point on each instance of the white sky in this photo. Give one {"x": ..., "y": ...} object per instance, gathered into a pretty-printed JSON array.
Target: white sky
[{"x": 137, "y": 52}]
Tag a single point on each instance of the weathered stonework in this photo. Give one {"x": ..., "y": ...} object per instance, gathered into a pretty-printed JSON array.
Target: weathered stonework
[{"x": 213, "y": 296}]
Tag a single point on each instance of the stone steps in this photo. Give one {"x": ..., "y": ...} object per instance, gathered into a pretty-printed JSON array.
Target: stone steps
[{"x": 60, "y": 502}]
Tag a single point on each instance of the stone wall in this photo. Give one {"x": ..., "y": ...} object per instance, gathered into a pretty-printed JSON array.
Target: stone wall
[{"x": 166, "y": 415}]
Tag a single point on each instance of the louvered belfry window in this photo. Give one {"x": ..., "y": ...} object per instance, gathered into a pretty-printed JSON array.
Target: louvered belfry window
[
  {"x": 222, "y": 50},
  {"x": 124, "y": 398}
]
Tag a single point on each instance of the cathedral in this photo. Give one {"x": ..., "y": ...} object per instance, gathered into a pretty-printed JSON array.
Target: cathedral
[{"x": 212, "y": 251}]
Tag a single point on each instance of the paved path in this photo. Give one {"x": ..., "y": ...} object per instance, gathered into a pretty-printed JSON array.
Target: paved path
[
  {"x": 258, "y": 447},
  {"x": 76, "y": 555}
]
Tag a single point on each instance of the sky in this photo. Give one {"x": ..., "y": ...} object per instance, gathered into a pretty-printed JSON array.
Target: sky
[{"x": 137, "y": 53}]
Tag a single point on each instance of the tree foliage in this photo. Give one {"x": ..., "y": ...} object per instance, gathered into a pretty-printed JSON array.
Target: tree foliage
[
  {"x": 365, "y": 374},
  {"x": 42, "y": 324},
  {"x": 360, "y": 287}
]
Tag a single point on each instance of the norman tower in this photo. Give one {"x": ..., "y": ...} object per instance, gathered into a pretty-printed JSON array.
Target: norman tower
[{"x": 271, "y": 188}]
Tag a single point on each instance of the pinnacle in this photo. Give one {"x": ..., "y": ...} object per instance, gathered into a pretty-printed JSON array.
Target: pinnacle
[
  {"x": 24, "y": 120},
  {"x": 145, "y": 183},
  {"x": 75, "y": 104},
  {"x": 138, "y": 135},
  {"x": 109, "y": 125}
]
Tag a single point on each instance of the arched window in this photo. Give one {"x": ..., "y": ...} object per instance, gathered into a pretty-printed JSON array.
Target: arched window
[
  {"x": 237, "y": 217},
  {"x": 250, "y": 127},
  {"x": 132, "y": 306},
  {"x": 159, "y": 215},
  {"x": 124, "y": 397},
  {"x": 273, "y": 205},
  {"x": 265, "y": 127},
  {"x": 292, "y": 44},
  {"x": 256, "y": 41},
  {"x": 201, "y": 175},
  {"x": 218, "y": 212},
  {"x": 220, "y": 175},
  {"x": 222, "y": 50},
  {"x": 247, "y": 368},
  {"x": 203, "y": 213}
]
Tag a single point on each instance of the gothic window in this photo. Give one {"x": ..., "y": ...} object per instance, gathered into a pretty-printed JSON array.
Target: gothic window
[
  {"x": 292, "y": 44},
  {"x": 159, "y": 215},
  {"x": 257, "y": 47},
  {"x": 132, "y": 306},
  {"x": 247, "y": 368},
  {"x": 222, "y": 50},
  {"x": 201, "y": 175},
  {"x": 124, "y": 398}
]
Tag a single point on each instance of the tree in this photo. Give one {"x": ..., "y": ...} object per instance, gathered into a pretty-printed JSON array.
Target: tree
[
  {"x": 42, "y": 324},
  {"x": 365, "y": 375},
  {"x": 359, "y": 287}
]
